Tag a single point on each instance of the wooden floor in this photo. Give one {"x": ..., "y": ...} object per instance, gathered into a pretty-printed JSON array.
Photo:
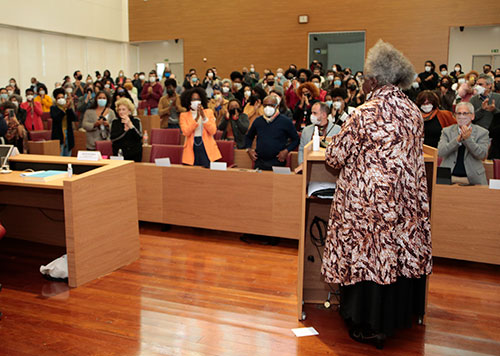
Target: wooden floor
[{"x": 199, "y": 292}]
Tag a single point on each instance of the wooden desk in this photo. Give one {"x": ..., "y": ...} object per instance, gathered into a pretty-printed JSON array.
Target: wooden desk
[
  {"x": 234, "y": 200},
  {"x": 50, "y": 147},
  {"x": 311, "y": 287},
  {"x": 93, "y": 214},
  {"x": 466, "y": 223}
]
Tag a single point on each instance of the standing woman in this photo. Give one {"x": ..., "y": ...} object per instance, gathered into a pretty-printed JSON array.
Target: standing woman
[
  {"x": 198, "y": 125},
  {"x": 428, "y": 79},
  {"x": 378, "y": 246},
  {"x": 63, "y": 115},
  {"x": 97, "y": 120},
  {"x": 126, "y": 131}
]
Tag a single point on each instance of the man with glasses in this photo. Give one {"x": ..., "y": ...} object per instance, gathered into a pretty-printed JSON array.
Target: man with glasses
[
  {"x": 273, "y": 131},
  {"x": 463, "y": 147}
]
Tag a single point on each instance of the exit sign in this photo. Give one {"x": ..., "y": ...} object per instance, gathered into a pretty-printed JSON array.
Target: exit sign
[{"x": 494, "y": 50}]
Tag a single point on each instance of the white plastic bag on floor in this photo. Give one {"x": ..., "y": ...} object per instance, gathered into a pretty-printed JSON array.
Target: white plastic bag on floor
[{"x": 57, "y": 268}]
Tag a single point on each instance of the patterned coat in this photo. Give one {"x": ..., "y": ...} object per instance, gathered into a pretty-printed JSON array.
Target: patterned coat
[{"x": 379, "y": 226}]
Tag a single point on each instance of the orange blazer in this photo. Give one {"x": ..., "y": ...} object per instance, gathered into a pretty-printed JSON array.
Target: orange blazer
[{"x": 188, "y": 126}]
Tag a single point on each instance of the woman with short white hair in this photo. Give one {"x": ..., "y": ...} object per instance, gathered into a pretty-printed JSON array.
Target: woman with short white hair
[
  {"x": 378, "y": 246},
  {"x": 126, "y": 131}
]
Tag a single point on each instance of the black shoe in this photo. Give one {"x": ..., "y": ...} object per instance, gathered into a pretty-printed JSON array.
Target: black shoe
[{"x": 366, "y": 337}]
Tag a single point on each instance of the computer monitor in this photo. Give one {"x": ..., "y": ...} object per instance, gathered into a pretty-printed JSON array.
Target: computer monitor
[{"x": 5, "y": 152}]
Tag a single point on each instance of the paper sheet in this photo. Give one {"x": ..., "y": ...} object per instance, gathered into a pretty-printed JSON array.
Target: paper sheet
[{"x": 299, "y": 332}]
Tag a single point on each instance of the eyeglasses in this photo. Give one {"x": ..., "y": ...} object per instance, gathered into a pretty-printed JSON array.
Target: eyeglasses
[{"x": 463, "y": 114}]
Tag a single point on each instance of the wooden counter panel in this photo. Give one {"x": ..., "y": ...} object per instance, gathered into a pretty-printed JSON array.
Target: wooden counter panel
[
  {"x": 51, "y": 147},
  {"x": 466, "y": 223},
  {"x": 149, "y": 182},
  {"x": 102, "y": 232}
]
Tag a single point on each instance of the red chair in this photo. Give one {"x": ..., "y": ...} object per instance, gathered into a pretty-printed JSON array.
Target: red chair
[
  {"x": 105, "y": 147},
  {"x": 496, "y": 169},
  {"x": 166, "y": 136},
  {"x": 226, "y": 149},
  {"x": 40, "y": 135},
  {"x": 218, "y": 135},
  {"x": 174, "y": 152},
  {"x": 46, "y": 121}
]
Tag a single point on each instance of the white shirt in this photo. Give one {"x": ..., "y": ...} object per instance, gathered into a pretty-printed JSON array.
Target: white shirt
[{"x": 199, "y": 129}]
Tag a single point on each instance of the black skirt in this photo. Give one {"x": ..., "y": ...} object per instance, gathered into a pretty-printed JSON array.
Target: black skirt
[
  {"x": 200, "y": 154},
  {"x": 383, "y": 308}
]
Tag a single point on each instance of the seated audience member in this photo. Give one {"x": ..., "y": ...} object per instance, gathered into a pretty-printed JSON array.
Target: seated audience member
[
  {"x": 97, "y": 120},
  {"x": 466, "y": 87},
  {"x": 316, "y": 80},
  {"x": 495, "y": 137},
  {"x": 170, "y": 106},
  {"x": 63, "y": 115},
  {"x": 15, "y": 132},
  {"x": 291, "y": 96},
  {"x": 198, "y": 125},
  {"x": 33, "y": 112},
  {"x": 284, "y": 110},
  {"x": 218, "y": 104},
  {"x": 326, "y": 127},
  {"x": 126, "y": 132},
  {"x": 428, "y": 79},
  {"x": 13, "y": 84},
  {"x": 4, "y": 95},
  {"x": 121, "y": 92},
  {"x": 443, "y": 70},
  {"x": 464, "y": 146},
  {"x": 152, "y": 93},
  {"x": 237, "y": 89},
  {"x": 20, "y": 112},
  {"x": 339, "y": 111},
  {"x": 43, "y": 98},
  {"x": 486, "y": 102},
  {"x": 120, "y": 80},
  {"x": 273, "y": 131},
  {"x": 446, "y": 94},
  {"x": 78, "y": 85},
  {"x": 307, "y": 92},
  {"x": 457, "y": 72},
  {"x": 226, "y": 86},
  {"x": 435, "y": 120},
  {"x": 355, "y": 96},
  {"x": 235, "y": 124}
]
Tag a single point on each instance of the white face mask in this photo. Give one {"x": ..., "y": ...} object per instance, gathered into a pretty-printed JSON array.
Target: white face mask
[
  {"x": 195, "y": 104},
  {"x": 330, "y": 78},
  {"x": 61, "y": 101},
  {"x": 444, "y": 72},
  {"x": 238, "y": 86},
  {"x": 10, "y": 92},
  {"x": 315, "y": 120},
  {"x": 69, "y": 90},
  {"x": 89, "y": 81},
  {"x": 42, "y": 92},
  {"x": 427, "y": 108},
  {"x": 337, "y": 105},
  {"x": 252, "y": 70},
  {"x": 316, "y": 84},
  {"x": 29, "y": 97},
  {"x": 142, "y": 77},
  {"x": 428, "y": 68},
  {"x": 12, "y": 84},
  {"x": 217, "y": 96},
  {"x": 279, "y": 75},
  {"x": 225, "y": 90},
  {"x": 269, "y": 111},
  {"x": 210, "y": 75},
  {"x": 107, "y": 86},
  {"x": 458, "y": 69},
  {"x": 414, "y": 85},
  {"x": 461, "y": 80},
  {"x": 479, "y": 89},
  {"x": 152, "y": 79},
  {"x": 15, "y": 103},
  {"x": 247, "y": 93}
]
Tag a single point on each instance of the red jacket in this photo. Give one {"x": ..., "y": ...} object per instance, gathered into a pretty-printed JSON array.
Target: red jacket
[
  {"x": 152, "y": 99},
  {"x": 33, "y": 117}
]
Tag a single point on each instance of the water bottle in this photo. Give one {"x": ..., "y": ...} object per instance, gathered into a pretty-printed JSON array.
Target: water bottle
[
  {"x": 120, "y": 153},
  {"x": 145, "y": 137},
  {"x": 316, "y": 139},
  {"x": 70, "y": 170}
]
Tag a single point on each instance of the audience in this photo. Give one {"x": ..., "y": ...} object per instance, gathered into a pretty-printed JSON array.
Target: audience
[
  {"x": 170, "y": 106},
  {"x": 19, "y": 111},
  {"x": 15, "y": 132},
  {"x": 307, "y": 94},
  {"x": 235, "y": 124},
  {"x": 126, "y": 132},
  {"x": 339, "y": 110},
  {"x": 43, "y": 98},
  {"x": 486, "y": 102},
  {"x": 97, "y": 120},
  {"x": 33, "y": 112},
  {"x": 63, "y": 115},
  {"x": 276, "y": 136},
  {"x": 428, "y": 79},
  {"x": 218, "y": 104},
  {"x": 466, "y": 86},
  {"x": 78, "y": 86},
  {"x": 464, "y": 146},
  {"x": 457, "y": 72},
  {"x": 152, "y": 93},
  {"x": 434, "y": 118},
  {"x": 446, "y": 95}
]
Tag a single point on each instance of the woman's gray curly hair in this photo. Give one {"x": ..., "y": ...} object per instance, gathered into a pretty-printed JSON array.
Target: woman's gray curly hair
[{"x": 389, "y": 66}]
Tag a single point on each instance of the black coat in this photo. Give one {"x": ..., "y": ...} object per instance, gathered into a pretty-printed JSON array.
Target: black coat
[
  {"x": 130, "y": 142},
  {"x": 57, "y": 116}
]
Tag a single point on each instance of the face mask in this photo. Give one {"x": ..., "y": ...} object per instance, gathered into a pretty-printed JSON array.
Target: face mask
[
  {"x": 353, "y": 87},
  {"x": 315, "y": 120},
  {"x": 316, "y": 84},
  {"x": 128, "y": 86},
  {"x": 444, "y": 72},
  {"x": 337, "y": 83},
  {"x": 238, "y": 86},
  {"x": 428, "y": 68},
  {"x": 426, "y": 108},
  {"x": 195, "y": 104},
  {"x": 89, "y": 81},
  {"x": 479, "y": 89},
  {"x": 102, "y": 102},
  {"x": 279, "y": 75},
  {"x": 12, "y": 84},
  {"x": 334, "y": 69},
  {"x": 329, "y": 103},
  {"x": 61, "y": 101},
  {"x": 152, "y": 79},
  {"x": 194, "y": 79},
  {"x": 69, "y": 90},
  {"x": 170, "y": 92},
  {"x": 15, "y": 103},
  {"x": 252, "y": 70},
  {"x": 217, "y": 96},
  {"x": 225, "y": 90},
  {"x": 167, "y": 75},
  {"x": 107, "y": 86},
  {"x": 210, "y": 75},
  {"x": 461, "y": 80},
  {"x": 29, "y": 97},
  {"x": 121, "y": 74},
  {"x": 463, "y": 121},
  {"x": 270, "y": 83},
  {"x": 445, "y": 85},
  {"x": 458, "y": 69},
  {"x": 79, "y": 77},
  {"x": 4, "y": 96},
  {"x": 329, "y": 78},
  {"x": 269, "y": 111},
  {"x": 10, "y": 92},
  {"x": 302, "y": 80},
  {"x": 233, "y": 111},
  {"x": 414, "y": 85},
  {"x": 142, "y": 77},
  {"x": 337, "y": 105},
  {"x": 247, "y": 93},
  {"x": 42, "y": 92}
]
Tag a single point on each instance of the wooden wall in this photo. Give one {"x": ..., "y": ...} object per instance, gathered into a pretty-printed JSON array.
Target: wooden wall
[{"x": 232, "y": 34}]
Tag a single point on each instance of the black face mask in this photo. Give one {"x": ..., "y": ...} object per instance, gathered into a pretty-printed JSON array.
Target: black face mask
[
  {"x": 233, "y": 111},
  {"x": 308, "y": 96},
  {"x": 353, "y": 87},
  {"x": 446, "y": 85},
  {"x": 270, "y": 83},
  {"x": 170, "y": 92},
  {"x": 79, "y": 77},
  {"x": 302, "y": 80}
]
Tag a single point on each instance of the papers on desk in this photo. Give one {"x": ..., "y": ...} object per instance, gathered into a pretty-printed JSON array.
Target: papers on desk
[
  {"x": 494, "y": 183},
  {"x": 162, "y": 162},
  {"x": 300, "y": 332},
  {"x": 43, "y": 176}
]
